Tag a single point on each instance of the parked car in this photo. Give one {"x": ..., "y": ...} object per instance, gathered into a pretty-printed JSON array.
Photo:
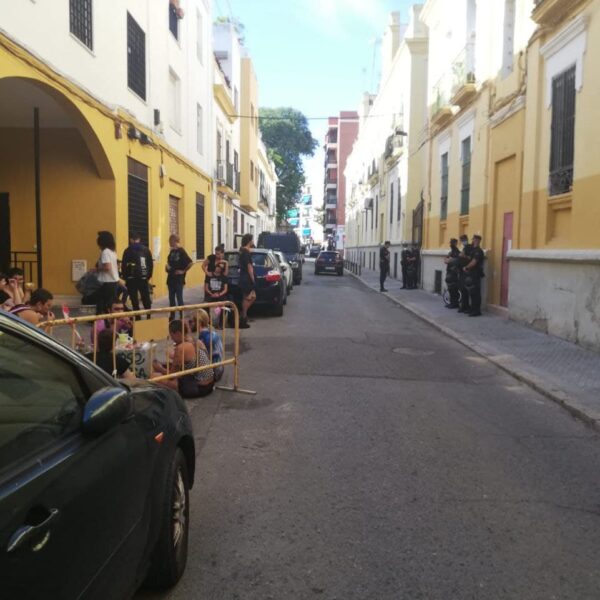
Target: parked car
[
  {"x": 286, "y": 270},
  {"x": 329, "y": 262},
  {"x": 288, "y": 243},
  {"x": 314, "y": 250},
  {"x": 94, "y": 475},
  {"x": 271, "y": 288}
]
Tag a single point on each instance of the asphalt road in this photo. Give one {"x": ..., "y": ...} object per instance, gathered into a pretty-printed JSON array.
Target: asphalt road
[{"x": 381, "y": 460}]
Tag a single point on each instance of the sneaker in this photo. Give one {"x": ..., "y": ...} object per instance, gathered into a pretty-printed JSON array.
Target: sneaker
[
  {"x": 244, "y": 324},
  {"x": 475, "y": 314},
  {"x": 383, "y": 290},
  {"x": 451, "y": 305}
]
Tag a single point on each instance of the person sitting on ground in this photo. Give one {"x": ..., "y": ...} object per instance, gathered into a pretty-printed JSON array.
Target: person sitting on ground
[
  {"x": 211, "y": 261},
  {"x": 38, "y": 308},
  {"x": 186, "y": 355},
  {"x": 113, "y": 364},
  {"x": 211, "y": 341},
  {"x": 6, "y": 302},
  {"x": 10, "y": 284},
  {"x": 122, "y": 324}
]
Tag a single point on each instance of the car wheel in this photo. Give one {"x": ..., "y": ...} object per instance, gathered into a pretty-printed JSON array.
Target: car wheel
[
  {"x": 170, "y": 553},
  {"x": 278, "y": 310}
]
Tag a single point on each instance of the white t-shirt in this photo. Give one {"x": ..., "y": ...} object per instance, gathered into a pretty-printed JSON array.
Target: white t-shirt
[{"x": 112, "y": 275}]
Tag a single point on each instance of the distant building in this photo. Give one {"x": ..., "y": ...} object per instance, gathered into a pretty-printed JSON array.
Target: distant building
[{"x": 339, "y": 140}]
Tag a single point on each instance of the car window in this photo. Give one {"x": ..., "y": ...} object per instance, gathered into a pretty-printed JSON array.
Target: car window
[
  {"x": 329, "y": 254},
  {"x": 40, "y": 398},
  {"x": 282, "y": 242}
]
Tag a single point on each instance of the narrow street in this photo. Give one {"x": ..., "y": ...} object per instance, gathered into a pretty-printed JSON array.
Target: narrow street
[{"x": 381, "y": 460}]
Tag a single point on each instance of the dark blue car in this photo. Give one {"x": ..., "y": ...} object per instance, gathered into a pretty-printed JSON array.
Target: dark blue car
[{"x": 94, "y": 475}]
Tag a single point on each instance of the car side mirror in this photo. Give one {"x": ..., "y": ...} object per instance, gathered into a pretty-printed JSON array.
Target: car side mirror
[{"x": 105, "y": 409}]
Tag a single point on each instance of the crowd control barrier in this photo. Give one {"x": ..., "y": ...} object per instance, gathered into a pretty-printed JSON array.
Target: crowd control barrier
[{"x": 149, "y": 328}]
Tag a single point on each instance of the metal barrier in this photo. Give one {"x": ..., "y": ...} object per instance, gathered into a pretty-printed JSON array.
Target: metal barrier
[{"x": 77, "y": 341}]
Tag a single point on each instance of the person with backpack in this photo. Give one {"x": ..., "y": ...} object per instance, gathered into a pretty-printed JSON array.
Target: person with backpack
[{"x": 137, "y": 267}]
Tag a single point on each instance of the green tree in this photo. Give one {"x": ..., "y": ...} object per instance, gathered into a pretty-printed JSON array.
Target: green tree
[{"x": 286, "y": 133}]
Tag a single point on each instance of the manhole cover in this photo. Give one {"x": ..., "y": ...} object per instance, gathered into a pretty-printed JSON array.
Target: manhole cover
[{"x": 413, "y": 351}]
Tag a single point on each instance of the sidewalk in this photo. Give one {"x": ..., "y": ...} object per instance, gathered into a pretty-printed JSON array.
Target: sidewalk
[{"x": 562, "y": 371}]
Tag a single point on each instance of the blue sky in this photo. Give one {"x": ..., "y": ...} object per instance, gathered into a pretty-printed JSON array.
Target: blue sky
[{"x": 314, "y": 55}]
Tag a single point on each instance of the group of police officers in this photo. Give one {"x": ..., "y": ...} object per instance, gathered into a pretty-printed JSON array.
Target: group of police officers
[{"x": 464, "y": 272}]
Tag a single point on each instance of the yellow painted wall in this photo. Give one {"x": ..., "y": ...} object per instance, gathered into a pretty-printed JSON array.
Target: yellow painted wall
[
  {"x": 248, "y": 136},
  {"x": 84, "y": 179},
  {"x": 75, "y": 202},
  {"x": 572, "y": 221}
]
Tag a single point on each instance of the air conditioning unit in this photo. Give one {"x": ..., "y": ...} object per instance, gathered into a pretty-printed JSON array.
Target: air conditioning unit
[{"x": 368, "y": 203}]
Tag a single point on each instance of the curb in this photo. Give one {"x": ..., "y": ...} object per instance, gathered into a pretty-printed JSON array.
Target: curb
[{"x": 534, "y": 382}]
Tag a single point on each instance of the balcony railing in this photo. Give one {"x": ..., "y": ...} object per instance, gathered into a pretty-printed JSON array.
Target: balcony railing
[
  {"x": 237, "y": 182},
  {"x": 463, "y": 70}
]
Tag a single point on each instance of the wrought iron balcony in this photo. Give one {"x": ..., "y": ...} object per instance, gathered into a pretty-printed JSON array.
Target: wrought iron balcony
[
  {"x": 463, "y": 76},
  {"x": 440, "y": 110},
  {"x": 229, "y": 178}
]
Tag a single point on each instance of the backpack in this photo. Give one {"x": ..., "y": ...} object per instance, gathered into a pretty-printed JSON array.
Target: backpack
[{"x": 136, "y": 265}]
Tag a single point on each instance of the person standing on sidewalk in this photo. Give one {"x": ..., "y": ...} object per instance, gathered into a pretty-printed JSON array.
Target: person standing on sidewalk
[
  {"x": 137, "y": 266},
  {"x": 474, "y": 272},
  {"x": 108, "y": 272},
  {"x": 465, "y": 258},
  {"x": 452, "y": 273},
  {"x": 178, "y": 264},
  {"x": 404, "y": 265},
  {"x": 384, "y": 265},
  {"x": 247, "y": 281}
]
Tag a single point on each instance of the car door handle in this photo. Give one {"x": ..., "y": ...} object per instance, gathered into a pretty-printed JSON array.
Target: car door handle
[{"x": 27, "y": 533}]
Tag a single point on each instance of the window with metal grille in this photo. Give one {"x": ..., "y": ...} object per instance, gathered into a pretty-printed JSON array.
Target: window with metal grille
[
  {"x": 199, "y": 226},
  {"x": 235, "y": 221},
  {"x": 444, "y": 194},
  {"x": 465, "y": 189},
  {"x": 80, "y": 21},
  {"x": 173, "y": 21},
  {"x": 173, "y": 215},
  {"x": 136, "y": 57},
  {"x": 391, "y": 202},
  {"x": 563, "y": 133},
  {"x": 199, "y": 37},
  {"x": 137, "y": 199},
  {"x": 399, "y": 205},
  {"x": 219, "y": 233}
]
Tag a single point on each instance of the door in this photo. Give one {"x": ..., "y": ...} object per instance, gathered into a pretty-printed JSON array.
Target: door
[
  {"x": 506, "y": 246},
  {"x": 4, "y": 233},
  {"x": 71, "y": 507}
]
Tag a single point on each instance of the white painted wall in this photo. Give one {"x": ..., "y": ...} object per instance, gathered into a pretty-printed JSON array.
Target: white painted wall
[{"x": 43, "y": 28}]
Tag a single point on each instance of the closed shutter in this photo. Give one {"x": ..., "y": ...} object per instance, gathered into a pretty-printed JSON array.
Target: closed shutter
[
  {"x": 137, "y": 196},
  {"x": 199, "y": 226}
]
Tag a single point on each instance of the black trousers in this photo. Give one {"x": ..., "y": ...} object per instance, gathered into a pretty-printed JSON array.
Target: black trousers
[
  {"x": 454, "y": 295},
  {"x": 464, "y": 293},
  {"x": 384, "y": 271},
  {"x": 404, "y": 276},
  {"x": 138, "y": 287},
  {"x": 107, "y": 294},
  {"x": 475, "y": 295}
]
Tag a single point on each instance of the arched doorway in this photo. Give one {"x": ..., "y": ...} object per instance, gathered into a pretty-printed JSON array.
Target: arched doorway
[{"x": 57, "y": 186}]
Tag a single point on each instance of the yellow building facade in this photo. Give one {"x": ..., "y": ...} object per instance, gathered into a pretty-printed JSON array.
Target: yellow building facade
[
  {"x": 532, "y": 174},
  {"x": 91, "y": 160},
  {"x": 249, "y": 132}
]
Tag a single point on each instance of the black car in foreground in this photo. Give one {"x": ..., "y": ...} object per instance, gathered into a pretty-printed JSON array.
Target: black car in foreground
[
  {"x": 271, "y": 288},
  {"x": 329, "y": 262},
  {"x": 94, "y": 475}
]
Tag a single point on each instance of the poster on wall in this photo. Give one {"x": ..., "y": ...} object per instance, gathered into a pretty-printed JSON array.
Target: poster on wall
[
  {"x": 156, "y": 248},
  {"x": 78, "y": 269}
]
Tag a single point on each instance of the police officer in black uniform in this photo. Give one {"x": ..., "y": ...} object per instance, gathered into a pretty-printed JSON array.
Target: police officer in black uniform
[
  {"x": 474, "y": 274},
  {"x": 465, "y": 259},
  {"x": 404, "y": 265},
  {"x": 384, "y": 265},
  {"x": 452, "y": 262}
]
